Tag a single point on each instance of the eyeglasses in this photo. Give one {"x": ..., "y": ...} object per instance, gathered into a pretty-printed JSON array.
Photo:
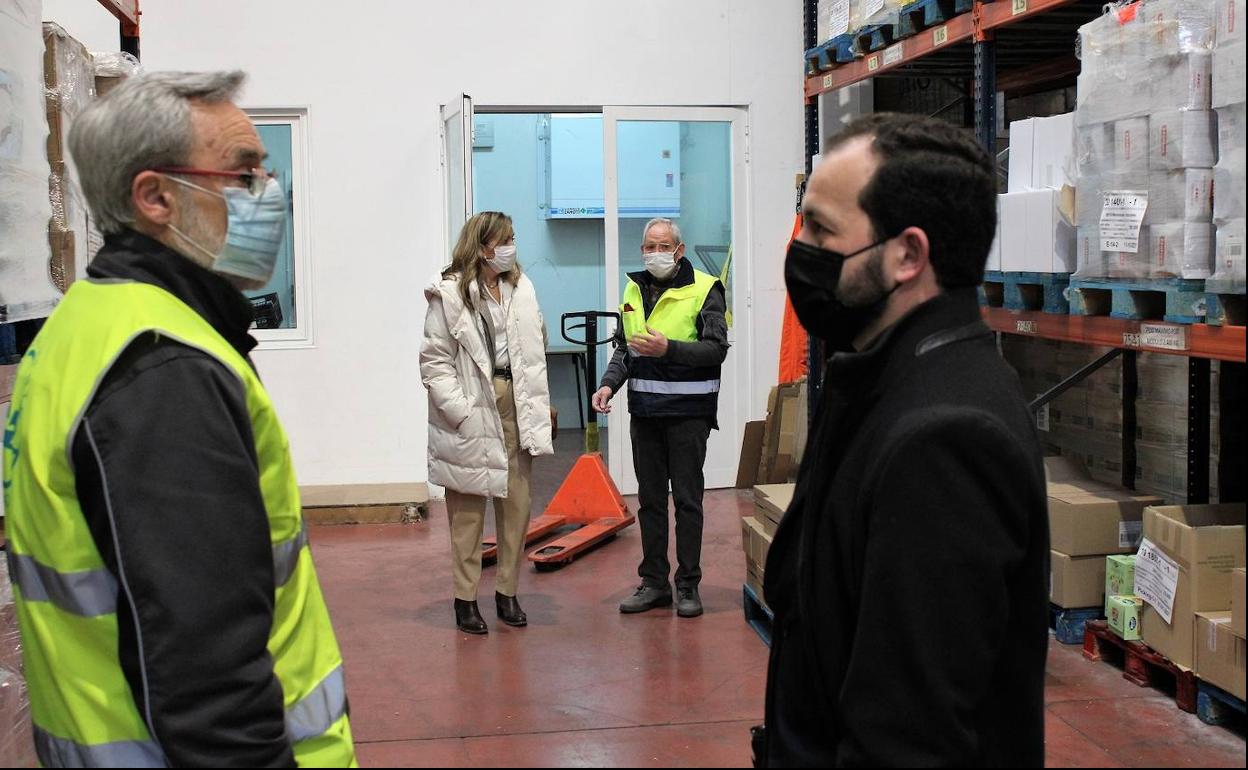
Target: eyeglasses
[{"x": 254, "y": 180}]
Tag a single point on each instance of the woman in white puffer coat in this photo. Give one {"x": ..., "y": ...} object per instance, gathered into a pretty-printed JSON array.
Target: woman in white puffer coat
[{"x": 483, "y": 362}]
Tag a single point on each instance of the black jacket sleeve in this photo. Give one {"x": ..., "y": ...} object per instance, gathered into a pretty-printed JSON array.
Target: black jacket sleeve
[
  {"x": 167, "y": 476},
  {"x": 947, "y": 530}
]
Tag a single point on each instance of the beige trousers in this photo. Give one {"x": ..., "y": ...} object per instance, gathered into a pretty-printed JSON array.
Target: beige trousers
[{"x": 511, "y": 514}]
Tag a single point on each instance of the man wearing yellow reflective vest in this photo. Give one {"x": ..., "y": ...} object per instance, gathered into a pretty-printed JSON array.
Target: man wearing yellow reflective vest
[
  {"x": 169, "y": 609},
  {"x": 672, "y": 340}
]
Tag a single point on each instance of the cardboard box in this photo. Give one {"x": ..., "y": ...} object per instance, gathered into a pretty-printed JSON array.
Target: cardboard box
[
  {"x": 1238, "y": 609},
  {"x": 778, "y": 463},
  {"x": 771, "y": 501},
  {"x": 755, "y": 540},
  {"x": 1053, "y": 149},
  {"x": 1076, "y": 581},
  {"x": 1123, "y": 616},
  {"x": 1022, "y": 147},
  {"x": 1050, "y": 244},
  {"x": 1207, "y": 543},
  {"x": 751, "y": 453},
  {"x": 1119, "y": 577},
  {"x": 1089, "y": 518},
  {"x": 1012, "y": 208},
  {"x": 1220, "y": 654}
]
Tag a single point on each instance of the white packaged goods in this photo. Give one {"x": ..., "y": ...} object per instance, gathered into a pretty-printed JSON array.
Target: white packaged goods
[
  {"x": 1186, "y": 194},
  {"x": 26, "y": 290},
  {"x": 1228, "y": 74},
  {"x": 1228, "y": 21},
  {"x": 1090, "y": 260},
  {"x": 1022, "y": 152},
  {"x": 1180, "y": 250},
  {"x": 1182, "y": 139},
  {"x": 1229, "y": 174},
  {"x": 1181, "y": 82},
  {"x": 994, "y": 253},
  {"x": 1094, "y": 148},
  {"x": 1035, "y": 237},
  {"x": 1012, "y": 213},
  {"x": 1130, "y": 145},
  {"x": 1229, "y": 253},
  {"x": 1053, "y": 148}
]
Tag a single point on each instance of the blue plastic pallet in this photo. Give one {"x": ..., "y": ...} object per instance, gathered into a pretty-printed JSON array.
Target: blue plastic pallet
[
  {"x": 1045, "y": 292},
  {"x": 926, "y": 14},
  {"x": 872, "y": 38},
  {"x": 1068, "y": 624},
  {"x": 840, "y": 49},
  {"x": 757, "y": 614},
  {"x": 1216, "y": 706},
  {"x": 1224, "y": 303},
  {"x": 1177, "y": 300}
]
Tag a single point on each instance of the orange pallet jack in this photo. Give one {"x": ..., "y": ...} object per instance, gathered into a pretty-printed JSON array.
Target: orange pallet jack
[{"x": 588, "y": 499}]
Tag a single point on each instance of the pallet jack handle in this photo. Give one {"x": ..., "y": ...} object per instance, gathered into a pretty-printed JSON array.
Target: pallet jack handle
[{"x": 589, "y": 322}]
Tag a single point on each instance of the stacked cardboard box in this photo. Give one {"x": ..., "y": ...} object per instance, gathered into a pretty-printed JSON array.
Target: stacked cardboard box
[
  {"x": 757, "y": 531},
  {"x": 1146, "y": 142},
  {"x": 1035, "y": 234},
  {"x": 1087, "y": 521},
  {"x": 69, "y": 81},
  {"x": 1221, "y": 650},
  {"x": 1207, "y": 544},
  {"x": 784, "y": 435},
  {"x": 1122, "y": 606}
]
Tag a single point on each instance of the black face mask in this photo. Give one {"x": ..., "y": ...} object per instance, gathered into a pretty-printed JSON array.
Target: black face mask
[{"x": 812, "y": 275}]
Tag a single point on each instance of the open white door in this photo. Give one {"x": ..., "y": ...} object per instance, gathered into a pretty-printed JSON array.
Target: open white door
[
  {"x": 457, "y": 165},
  {"x": 689, "y": 164}
]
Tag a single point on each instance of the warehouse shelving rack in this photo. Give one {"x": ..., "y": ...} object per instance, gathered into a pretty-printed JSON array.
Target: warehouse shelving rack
[{"x": 1026, "y": 46}]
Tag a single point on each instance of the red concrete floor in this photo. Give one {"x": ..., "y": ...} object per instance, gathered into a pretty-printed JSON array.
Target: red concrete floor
[{"x": 586, "y": 686}]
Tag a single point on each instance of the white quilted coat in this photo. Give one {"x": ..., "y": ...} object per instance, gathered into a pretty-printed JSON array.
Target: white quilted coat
[{"x": 466, "y": 447}]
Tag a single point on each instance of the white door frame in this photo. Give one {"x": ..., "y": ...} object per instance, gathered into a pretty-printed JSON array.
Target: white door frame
[
  {"x": 457, "y": 114},
  {"x": 734, "y": 395}
]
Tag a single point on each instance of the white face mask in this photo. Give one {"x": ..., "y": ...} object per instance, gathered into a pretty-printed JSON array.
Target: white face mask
[
  {"x": 504, "y": 259},
  {"x": 661, "y": 264}
]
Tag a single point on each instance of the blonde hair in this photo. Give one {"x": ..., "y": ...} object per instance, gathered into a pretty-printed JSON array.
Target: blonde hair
[{"x": 478, "y": 232}]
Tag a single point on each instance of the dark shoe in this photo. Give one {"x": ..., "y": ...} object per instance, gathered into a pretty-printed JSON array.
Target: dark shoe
[
  {"x": 647, "y": 598},
  {"x": 509, "y": 610},
  {"x": 688, "y": 603},
  {"x": 468, "y": 618}
]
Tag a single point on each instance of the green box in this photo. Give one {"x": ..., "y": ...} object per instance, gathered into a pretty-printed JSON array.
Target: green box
[
  {"x": 1119, "y": 577},
  {"x": 1124, "y": 616}
]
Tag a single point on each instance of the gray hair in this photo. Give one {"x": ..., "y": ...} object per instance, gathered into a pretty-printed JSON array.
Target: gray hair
[
  {"x": 143, "y": 123},
  {"x": 668, "y": 223}
]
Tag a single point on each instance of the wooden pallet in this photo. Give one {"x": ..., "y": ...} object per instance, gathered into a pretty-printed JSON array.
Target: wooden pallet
[
  {"x": 872, "y": 38},
  {"x": 925, "y": 14},
  {"x": 1176, "y": 300},
  {"x": 1068, "y": 624},
  {"x": 1044, "y": 292},
  {"x": 1218, "y": 707},
  {"x": 757, "y": 614},
  {"x": 1224, "y": 303},
  {"x": 1141, "y": 665}
]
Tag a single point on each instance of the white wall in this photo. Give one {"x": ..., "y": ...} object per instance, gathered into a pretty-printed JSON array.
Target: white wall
[{"x": 372, "y": 76}]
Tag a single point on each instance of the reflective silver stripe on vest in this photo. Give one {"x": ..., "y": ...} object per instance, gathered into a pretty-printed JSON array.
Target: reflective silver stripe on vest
[
  {"x": 60, "y": 752},
  {"x": 286, "y": 556},
  {"x": 674, "y": 388},
  {"x": 87, "y": 593},
  {"x": 319, "y": 709}
]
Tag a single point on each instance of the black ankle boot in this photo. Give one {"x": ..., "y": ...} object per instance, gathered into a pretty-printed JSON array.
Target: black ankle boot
[
  {"x": 468, "y": 618},
  {"x": 509, "y": 610}
]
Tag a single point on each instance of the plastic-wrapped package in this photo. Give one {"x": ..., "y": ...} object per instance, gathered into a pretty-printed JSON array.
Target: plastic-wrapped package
[
  {"x": 1228, "y": 21},
  {"x": 1182, "y": 195},
  {"x": 1182, "y": 139},
  {"x": 1179, "y": 26},
  {"x": 877, "y": 12},
  {"x": 1094, "y": 149},
  {"x": 834, "y": 18},
  {"x": 1229, "y": 174},
  {"x": 17, "y": 746},
  {"x": 25, "y": 290},
  {"x": 1130, "y": 145},
  {"x": 1229, "y": 267},
  {"x": 1181, "y": 82},
  {"x": 69, "y": 80},
  {"x": 112, "y": 67},
  {"x": 1180, "y": 250},
  {"x": 1089, "y": 259}
]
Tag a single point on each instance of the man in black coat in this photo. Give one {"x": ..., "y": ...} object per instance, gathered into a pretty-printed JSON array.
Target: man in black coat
[{"x": 909, "y": 576}]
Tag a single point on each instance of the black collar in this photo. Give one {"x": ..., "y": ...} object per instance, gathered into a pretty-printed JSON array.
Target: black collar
[
  {"x": 133, "y": 256},
  {"x": 951, "y": 317}
]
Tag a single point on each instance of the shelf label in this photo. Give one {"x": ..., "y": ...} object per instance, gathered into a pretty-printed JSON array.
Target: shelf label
[
  {"x": 1122, "y": 214},
  {"x": 1130, "y": 339},
  {"x": 1042, "y": 418},
  {"x": 873, "y": 63},
  {"x": 1164, "y": 336},
  {"x": 1156, "y": 579},
  {"x": 894, "y": 54},
  {"x": 827, "y": 81},
  {"x": 940, "y": 36},
  {"x": 1027, "y": 327},
  {"x": 1019, "y": 6}
]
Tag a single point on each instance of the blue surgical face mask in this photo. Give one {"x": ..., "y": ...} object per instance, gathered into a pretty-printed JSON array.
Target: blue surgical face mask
[{"x": 253, "y": 238}]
